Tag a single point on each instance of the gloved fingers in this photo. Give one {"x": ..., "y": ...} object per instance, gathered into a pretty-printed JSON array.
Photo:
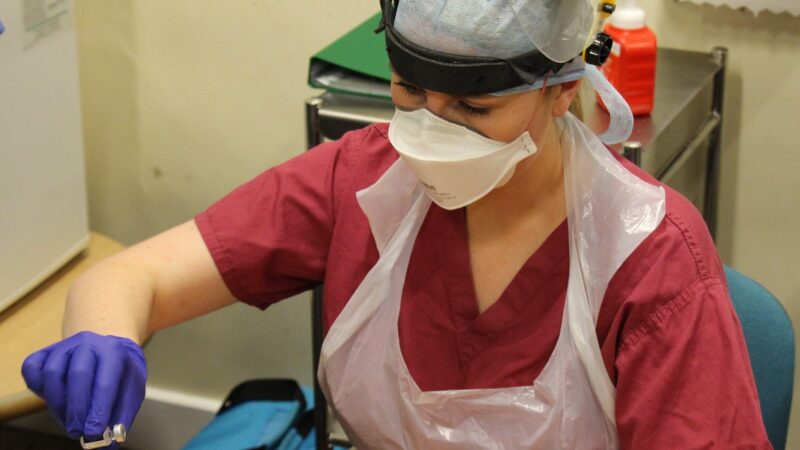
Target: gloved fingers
[
  {"x": 54, "y": 384},
  {"x": 110, "y": 370},
  {"x": 130, "y": 399},
  {"x": 80, "y": 379},
  {"x": 33, "y": 371}
]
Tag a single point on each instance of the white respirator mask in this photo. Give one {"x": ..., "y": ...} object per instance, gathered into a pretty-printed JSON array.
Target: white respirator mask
[{"x": 456, "y": 165}]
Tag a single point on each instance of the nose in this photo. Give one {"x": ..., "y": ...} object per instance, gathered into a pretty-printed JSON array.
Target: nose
[{"x": 438, "y": 103}]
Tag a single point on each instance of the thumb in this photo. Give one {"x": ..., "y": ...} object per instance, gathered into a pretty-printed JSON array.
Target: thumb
[{"x": 32, "y": 371}]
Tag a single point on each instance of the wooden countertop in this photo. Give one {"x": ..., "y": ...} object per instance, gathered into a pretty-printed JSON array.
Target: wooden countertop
[{"x": 35, "y": 322}]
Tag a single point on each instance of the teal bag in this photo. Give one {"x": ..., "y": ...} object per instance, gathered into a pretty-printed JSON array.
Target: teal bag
[{"x": 261, "y": 414}]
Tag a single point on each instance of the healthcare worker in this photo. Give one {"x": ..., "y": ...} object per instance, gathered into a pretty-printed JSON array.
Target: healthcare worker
[{"x": 494, "y": 276}]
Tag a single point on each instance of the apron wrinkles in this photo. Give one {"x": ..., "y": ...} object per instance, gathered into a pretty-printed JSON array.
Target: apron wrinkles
[{"x": 569, "y": 405}]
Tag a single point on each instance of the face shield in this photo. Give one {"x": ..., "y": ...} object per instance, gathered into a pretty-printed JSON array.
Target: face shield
[
  {"x": 558, "y": 28},
  {"x": 476, "y": 47}
]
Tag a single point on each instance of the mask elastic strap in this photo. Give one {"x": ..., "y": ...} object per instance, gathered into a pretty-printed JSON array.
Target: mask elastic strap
[
  {"x": 620, "y": 124},
  {"x": 545, "y": 85}
]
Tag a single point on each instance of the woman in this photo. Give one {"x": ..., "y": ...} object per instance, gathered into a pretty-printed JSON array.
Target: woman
[{"x": 463, "y": 309}]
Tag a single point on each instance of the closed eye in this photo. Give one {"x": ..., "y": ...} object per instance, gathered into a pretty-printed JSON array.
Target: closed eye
[
  {"x": 415, "y": 91},
  {"x": 410, "y": 89},
  {"x": 473, "y": 110}
]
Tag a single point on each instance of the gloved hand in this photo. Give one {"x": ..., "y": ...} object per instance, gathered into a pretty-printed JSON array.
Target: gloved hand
[{"x": 89, "y": 381}]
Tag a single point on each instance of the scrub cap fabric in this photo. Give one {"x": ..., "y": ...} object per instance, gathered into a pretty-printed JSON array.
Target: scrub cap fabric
[
  {"x": 468, "y": 27},
  {"x": 498, "y": 28}
]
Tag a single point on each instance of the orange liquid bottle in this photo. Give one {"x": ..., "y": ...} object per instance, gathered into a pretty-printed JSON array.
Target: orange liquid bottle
[{"x": 631, "y": 67}]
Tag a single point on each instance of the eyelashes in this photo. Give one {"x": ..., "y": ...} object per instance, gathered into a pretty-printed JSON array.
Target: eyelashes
[
  {"x": 472, "y": 110},
  {"x": 414, "y": 91},
  {"x": 410, "y": 89}
]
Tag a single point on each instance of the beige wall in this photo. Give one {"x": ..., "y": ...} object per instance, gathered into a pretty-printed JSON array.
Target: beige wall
[{"x": 183, "y": 100}]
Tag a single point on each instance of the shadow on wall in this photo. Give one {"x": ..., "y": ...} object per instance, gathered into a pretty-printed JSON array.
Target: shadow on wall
[
  {"x": 109, "y": 75},
  {"x": 729, "y": 163}
]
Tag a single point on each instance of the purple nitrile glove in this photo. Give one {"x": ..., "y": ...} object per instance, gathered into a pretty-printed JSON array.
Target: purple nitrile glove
[{"x": 89, "y": 381}]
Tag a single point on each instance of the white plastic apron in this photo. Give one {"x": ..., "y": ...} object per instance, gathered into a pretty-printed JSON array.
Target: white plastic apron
[{"x": 570, "y": 405}]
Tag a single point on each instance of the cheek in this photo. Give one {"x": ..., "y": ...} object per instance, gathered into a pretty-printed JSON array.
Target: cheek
[
  {"x": 532, "y": 117},
  {"x": 505, "y": 126},
  {"x": 538, "y": 127},
  {"x": 399, "y": 98},
  {"x": 525, "y": 113}
]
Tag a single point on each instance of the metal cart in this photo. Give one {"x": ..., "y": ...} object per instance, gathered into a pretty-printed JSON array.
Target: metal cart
[{"x": 679, "y": 144}]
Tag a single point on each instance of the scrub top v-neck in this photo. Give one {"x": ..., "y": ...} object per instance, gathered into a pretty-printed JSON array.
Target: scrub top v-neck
[{"x": 446, "y": 342}]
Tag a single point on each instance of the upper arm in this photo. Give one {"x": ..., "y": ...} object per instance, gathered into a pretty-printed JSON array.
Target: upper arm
[
  {"x": 270, "y": 238},
  {"x": 687, "y": 382},
  {"x": 186, "y": 282}
]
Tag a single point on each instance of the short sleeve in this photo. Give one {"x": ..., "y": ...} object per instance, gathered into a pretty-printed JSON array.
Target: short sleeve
[
  {"x": 270, "y": 237},
  {"x": 684, "y": 377}
]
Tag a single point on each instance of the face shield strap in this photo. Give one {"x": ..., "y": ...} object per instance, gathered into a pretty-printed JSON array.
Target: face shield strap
[{"x": 457, "y": 74}]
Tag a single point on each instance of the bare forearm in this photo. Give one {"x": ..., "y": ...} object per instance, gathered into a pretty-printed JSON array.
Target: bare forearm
[{"x": 115, "y": 297}]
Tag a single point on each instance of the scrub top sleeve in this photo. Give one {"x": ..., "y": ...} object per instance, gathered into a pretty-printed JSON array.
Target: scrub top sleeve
[
  {"x": 270, "y": 237},
  {"x": 684, "y": 377}
]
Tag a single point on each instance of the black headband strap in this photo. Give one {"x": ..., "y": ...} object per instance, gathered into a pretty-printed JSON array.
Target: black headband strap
[{"x": 457, "y": 74}]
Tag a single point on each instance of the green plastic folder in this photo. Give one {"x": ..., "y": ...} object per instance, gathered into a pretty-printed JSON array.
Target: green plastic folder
[{"x": 356, "y": 63}]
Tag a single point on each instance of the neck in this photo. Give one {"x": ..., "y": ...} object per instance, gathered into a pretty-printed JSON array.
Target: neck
[{"x": 537, "y": 187}]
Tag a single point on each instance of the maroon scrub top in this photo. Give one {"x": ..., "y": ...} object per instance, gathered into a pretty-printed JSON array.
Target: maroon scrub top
[{"x": 669, "y": 336}]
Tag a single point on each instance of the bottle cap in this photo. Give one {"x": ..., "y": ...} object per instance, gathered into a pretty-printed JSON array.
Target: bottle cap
[{"x": 628, "y": 17}]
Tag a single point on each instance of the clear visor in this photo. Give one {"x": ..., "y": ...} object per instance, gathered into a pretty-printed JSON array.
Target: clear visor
[{"x": 558, "y": 28}]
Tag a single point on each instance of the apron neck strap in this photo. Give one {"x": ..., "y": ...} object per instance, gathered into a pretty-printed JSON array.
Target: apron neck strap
[{"x": 387, "y": 202}]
